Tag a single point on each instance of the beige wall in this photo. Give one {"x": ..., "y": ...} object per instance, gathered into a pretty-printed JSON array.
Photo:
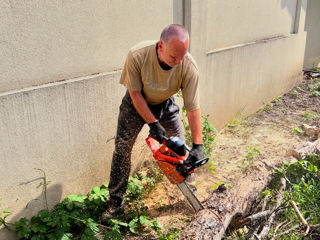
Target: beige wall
[
  {"x": 235, "y": 22},
  {"x": 312, "y": 53},
  {"x": 246, "y": 51},
  {"x": 60, "y": 66},
  {"x": 48, "y": 41}
]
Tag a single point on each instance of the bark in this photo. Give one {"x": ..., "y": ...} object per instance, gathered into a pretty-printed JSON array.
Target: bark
[
  {"x": 306, "y": 149},
  {"x": 226, "y": 207},
  {"x": 310, "y": 130},
  {"x": 229, "y": 207}
]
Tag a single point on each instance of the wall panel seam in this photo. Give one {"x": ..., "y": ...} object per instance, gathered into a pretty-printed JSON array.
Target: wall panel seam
[
  {"x": 57, "y": 83},
  {"x": 217, "y": 50}
]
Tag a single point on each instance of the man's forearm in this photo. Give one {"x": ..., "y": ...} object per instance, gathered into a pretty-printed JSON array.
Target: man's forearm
[
  {"x": 194, "y": 119},
  {"x": 141, "y": 106}
]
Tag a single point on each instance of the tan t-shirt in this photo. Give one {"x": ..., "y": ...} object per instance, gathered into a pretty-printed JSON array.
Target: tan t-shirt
[{"x": 142, "y": 72}]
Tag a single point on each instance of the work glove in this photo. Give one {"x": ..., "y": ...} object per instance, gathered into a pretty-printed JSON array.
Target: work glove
[
  {"x": 195, "y": 154},
  {"x": 157, "y": 132}
]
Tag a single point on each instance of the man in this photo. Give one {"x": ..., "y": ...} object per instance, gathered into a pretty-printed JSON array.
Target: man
[{"x": 153, "y": 72}]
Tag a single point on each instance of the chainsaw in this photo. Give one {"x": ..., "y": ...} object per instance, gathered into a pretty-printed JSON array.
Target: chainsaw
[{"x": 171, "y": 158}]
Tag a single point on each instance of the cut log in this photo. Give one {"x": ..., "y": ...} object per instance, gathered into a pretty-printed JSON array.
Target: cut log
[
  {"x": 228, "y": 207},
  {"x": 310, "y": 130},
  {"x": 306, "y": 149}
]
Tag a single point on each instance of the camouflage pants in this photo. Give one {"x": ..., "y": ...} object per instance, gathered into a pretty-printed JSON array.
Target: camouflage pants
[{"x": 130, "y": 124}]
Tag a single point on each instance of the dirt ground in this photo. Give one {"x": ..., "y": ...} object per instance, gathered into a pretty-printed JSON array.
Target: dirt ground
[{"x": 270, "y": 131}]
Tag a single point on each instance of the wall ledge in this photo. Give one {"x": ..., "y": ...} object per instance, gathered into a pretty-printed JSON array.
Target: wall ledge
[
  {"x": 266, "y": 40},
  {"x": 59, "y": 82}
]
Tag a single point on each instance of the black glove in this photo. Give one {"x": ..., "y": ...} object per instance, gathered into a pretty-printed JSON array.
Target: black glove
[
  {"x": 157, "y": 132},
  {"x": 195, "y": 154}
]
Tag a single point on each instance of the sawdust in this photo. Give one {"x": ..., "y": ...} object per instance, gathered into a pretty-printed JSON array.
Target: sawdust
[{"x": 268, "y": 131}]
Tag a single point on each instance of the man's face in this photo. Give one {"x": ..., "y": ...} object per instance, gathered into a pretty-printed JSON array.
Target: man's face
[{"x": 172, "y": 53}]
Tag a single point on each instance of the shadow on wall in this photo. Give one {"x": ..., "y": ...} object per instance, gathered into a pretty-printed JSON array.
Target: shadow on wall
[
  {"x": 54, "y": 194},
  {"x": 292, "y": 10}
]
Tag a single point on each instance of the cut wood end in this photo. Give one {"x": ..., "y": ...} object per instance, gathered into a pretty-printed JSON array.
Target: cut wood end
[{"x": 293, "y": 153}]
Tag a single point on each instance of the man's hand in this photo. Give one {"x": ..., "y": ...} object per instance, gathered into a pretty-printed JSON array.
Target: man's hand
[
  {"x": 157, "y": 132},
  {"x": 196, "y": 153}
]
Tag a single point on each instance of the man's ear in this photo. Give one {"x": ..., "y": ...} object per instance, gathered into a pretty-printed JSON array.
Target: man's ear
[{"x": 160, "y": 45}]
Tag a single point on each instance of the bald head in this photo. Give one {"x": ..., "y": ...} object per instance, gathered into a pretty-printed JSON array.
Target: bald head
[
  {"x": 174, "y": 30},
  {"x": 173, "y": 44}
]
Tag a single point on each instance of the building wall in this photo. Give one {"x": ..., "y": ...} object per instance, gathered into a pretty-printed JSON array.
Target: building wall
[
  {"x": 60, "y": 65},
  {"x": 248, "y": 52},
  {"x": 312, "y": 53},
  {"x": 61, "y": 62}
]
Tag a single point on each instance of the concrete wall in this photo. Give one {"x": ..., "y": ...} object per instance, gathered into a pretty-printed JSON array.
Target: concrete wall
[
  {"x": 248, "y": 52},
  {"x": 312, "y": 53},
  {"x": 60, "y": 66}
]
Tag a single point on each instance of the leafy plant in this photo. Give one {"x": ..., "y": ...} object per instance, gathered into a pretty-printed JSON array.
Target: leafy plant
[
  {"x": 212, "y": 168},
  {"x": 251, "y": 156},
  {"x": 315, "y": 93},
  {"x": 278, "y": 99},
  {"x": 303, "y": 178},
  {"x": 3, "y": 215},
  {"x": 294, "y": 92},
  {"x": 77, "y": 216},
  {"x": 308, "y": 115},
  {"x": 310, "y": 87},
  {"x": 297, "y": 130},
  {"x": 214, "y": 186},
  {"x": 171, "y": 234},
  {"x": 266, "y": 107},
  {"x": 208, "y": 132}
]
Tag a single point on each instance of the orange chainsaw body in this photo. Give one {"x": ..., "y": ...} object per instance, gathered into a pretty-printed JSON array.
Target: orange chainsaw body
[{"x": 167, "y": 160}]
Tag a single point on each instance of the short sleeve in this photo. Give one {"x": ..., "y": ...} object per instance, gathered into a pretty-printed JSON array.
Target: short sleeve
[
  {"x": 190, "y": 89},
  {"x": 131, "y": 74}
]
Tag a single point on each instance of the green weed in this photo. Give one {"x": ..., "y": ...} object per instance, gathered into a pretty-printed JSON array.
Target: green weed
[
  {"x": 252, "y": 155},
  {"x": 214, "y": 186},
  {"x": 3, "y": 223},
  {"x": 77, "y": 216},
  {"x": 266, "y": 107},
  {"x": 212, "y": 168},
  {"x": 294, "y": 92},
  {"x": 308, "y": 115},
  {"x": 171, "y": 234},
  {"x": 310, "y": 87},
  {"x": 278, "y": 99},
  {"x": 208, "y": 132},
  {"x": 315, "y": 93},
  {"x": 303, "y": 178},
  {"x": 297, "y": 130}
]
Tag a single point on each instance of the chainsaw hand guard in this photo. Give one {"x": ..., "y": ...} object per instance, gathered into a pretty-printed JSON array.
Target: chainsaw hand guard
[
  {"x": 187, "y": 168},
  {"x": 171, "y": 158}
]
